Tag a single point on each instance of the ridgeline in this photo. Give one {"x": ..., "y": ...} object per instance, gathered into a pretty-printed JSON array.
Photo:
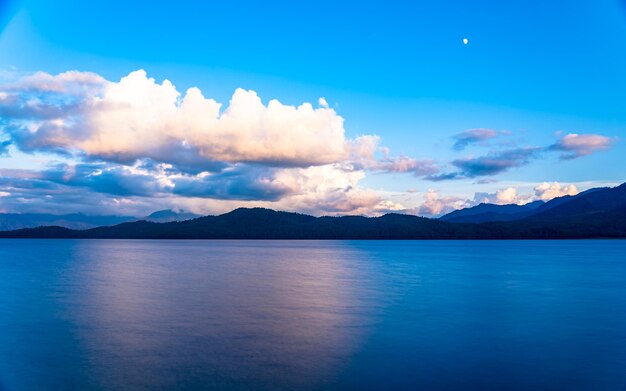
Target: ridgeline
[{"x": 597, "y": 213}]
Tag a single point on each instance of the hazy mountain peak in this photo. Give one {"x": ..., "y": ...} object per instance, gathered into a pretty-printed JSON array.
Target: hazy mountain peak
[{"x": 168, "y": 215}]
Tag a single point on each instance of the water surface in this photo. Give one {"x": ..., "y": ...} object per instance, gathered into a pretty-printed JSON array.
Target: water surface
[{"x": 272, "y": 315}]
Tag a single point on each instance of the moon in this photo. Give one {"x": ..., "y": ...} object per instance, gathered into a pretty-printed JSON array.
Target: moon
[{"x": 465, "y": 41}]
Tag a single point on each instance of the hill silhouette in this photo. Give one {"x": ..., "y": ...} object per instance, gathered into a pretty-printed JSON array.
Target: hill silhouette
[
  {"x": 600, "y": 213},
  {"x": 590, "y": 202},
  {"x": 482, "y": 213}
]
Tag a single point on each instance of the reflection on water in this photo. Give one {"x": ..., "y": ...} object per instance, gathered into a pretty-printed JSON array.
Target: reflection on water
[
  {"x": 312, "y": 315},
  {"x": 216, "y": 314},
  {"x": 244, "y": 314}
]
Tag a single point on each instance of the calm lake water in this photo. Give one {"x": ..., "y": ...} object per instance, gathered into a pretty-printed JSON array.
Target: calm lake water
[{"x": 372, "y": 315}]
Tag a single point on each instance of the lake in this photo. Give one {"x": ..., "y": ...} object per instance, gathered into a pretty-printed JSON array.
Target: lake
[{"x": 312, "y": 315}]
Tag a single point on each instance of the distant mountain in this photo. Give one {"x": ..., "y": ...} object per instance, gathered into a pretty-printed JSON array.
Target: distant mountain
[
  {"x": 592, "y": 201},
  {"x": 258, "y": 223},
  {"x": 12, "y": 221},
  {"x": 169, "y": 215},
  {"x": 594, "y": 214},
  {"x": 490, "y": 212}
]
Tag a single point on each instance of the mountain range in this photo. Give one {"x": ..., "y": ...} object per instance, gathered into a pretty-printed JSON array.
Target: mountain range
[
  {"x": 79, "y": 221},
  {"x": 592, "y": 200},
  {"x": 483, "y": 213},
  {"x": 596, "y": 213}
]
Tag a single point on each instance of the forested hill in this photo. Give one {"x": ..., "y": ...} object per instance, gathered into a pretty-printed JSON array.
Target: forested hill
[{"x": 600, "y": 213}]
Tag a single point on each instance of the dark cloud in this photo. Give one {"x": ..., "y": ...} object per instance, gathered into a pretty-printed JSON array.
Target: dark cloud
[
  {"x": 106, "y": 178},
  {"x": 29, "y": 195},
  {"x": 186, "y": 164},
  {"x": 241, "y": 182},
  {"x": 445, "y": 176},
  {"x": 28, "y": 183},
  {"x": 491, "y": 164}
]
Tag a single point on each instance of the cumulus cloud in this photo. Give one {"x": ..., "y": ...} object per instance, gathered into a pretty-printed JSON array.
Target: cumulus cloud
[
  {"x": 315, "y": 185},
  {"x": 549, "y": 190},
  {"x": 435, "y": 205},
  {"x": 329, "y": 189},
  {"x": 545, "y": 191},
  {"x": 575, "y": 145},
  {"x": 508, "y": 195},
  {"x": 137, "y": 137},
  {"x": 240, "y": 182},
  {"x": 29, "y": 193},
  {"x": 472, "y": 136},
  {"x": 512, "y": 195},
  {"x": 140, "y": 118},
  {"x": 109, "y": 178}
]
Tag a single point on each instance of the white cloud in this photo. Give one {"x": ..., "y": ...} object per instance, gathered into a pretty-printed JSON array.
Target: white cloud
[
  {"x": 140, "y": 118},
  {"x": 139, "y": 138},
  {"x": 435, "y": 205},
  {"x": 504, "y": 196},
  {"x": 547, "y": 191}
]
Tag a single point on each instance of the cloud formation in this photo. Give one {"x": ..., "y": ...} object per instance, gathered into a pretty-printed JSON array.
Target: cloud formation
[
  {"x": 512, "y": 195},
  {"x": 575, "y": 145},
  {"x": 139, "y": 118},
  {"x": 493, "y": 163},
  {"x": 140, "y": 138},
  {"x": 141, "y": 189},
  {"x": 404, "y": 164},
  {"x": 69, "y": 83},
  {"x": 473, "y": 136},
  {"x": 505, "y": 196},
  {"x": 137, "y": 143},
  {"x": 549, "y": 190},
  {"x": 435, "y": 205}
]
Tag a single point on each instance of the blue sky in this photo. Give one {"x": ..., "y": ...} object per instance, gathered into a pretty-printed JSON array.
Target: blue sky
[{"x": 532, "y": 73}]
